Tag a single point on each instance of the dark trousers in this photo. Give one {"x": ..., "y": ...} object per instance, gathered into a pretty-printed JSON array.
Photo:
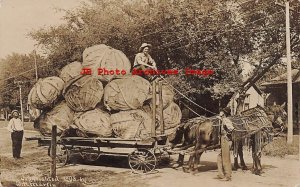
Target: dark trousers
[
  {"x": 16, "y": 138},
  {"x": 143, "y": 68},
  {"x": 223, "y": 161}
]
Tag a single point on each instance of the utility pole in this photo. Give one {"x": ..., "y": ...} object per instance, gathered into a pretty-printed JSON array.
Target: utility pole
[
  {"x": 38, "y": 111},
  {"x": 289, "y": 74},
  {"x": 19, "y": 83},
  {"x": 35, "y": 66}
]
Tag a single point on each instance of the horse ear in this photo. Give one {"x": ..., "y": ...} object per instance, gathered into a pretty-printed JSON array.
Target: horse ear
[{"x": 283, "y": 105}]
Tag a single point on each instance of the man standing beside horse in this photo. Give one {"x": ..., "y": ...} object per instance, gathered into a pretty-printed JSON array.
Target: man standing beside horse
[{"x": 224, "y": 162}]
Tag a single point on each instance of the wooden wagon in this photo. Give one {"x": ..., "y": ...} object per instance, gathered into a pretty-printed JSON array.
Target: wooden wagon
[{"x": 143, "y": 155}]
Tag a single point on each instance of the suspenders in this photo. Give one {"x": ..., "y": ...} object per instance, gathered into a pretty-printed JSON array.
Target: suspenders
[{"x": 14, "y": 126}]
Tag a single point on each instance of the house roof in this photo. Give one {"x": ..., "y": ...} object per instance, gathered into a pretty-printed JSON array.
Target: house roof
[
  {"x": 282, "y": 79},
  {"x": 257, "y": 89}
]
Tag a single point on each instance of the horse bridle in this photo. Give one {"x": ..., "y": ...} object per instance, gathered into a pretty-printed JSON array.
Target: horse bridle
[{"x": 275, "y": 118}]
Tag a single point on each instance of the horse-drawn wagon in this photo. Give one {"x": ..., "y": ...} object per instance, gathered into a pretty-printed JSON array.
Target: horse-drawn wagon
[{"x": 144, "y": 154}]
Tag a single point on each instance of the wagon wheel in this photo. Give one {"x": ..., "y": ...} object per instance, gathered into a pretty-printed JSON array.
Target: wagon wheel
[
  {"x": 142, "y": 161},
  {"x": 90, "y": 154},
  {"x": 62, "y": 154}
]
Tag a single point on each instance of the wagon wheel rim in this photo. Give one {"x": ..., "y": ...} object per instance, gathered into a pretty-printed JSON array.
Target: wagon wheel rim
[
  {"x": 91, "y": 156},
  {"x": 142, "y": 161},
  {"x": 62, "y": 155}
]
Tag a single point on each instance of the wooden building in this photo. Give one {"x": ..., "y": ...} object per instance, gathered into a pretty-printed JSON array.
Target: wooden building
[
  {"x": 277, "y": 88},
  {"x": 254, "y": 97}
]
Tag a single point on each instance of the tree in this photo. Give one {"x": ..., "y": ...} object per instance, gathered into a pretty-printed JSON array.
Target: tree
[
  {"x": 18, "y": 67},
  {"x": 218, "y": 35}
]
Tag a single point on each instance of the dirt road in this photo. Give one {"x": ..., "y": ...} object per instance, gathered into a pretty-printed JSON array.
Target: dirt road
[{"x": 36, "y": 164}]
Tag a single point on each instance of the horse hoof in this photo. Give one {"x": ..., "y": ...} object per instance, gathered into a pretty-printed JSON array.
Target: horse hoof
[
  {"x": 257, "y": 173},
  {"x": 235, "y": 167},
  {"x": 176, "y": 165},
  {"x": 245, "y": 168},
  {"x": 186, "y": 169}
]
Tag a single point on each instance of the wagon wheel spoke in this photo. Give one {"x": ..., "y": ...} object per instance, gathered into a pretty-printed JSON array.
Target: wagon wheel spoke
[
  {"x": 136, "y": 165},
  {"x": 149, "y": 159},
  {"x": 90, "y": 154},
  {"x": 142, "y": 161},
  {"x": 147, "y": 154},
  {"x": 148, "y": 168},
  {"x": 135, "y": 158},
  {"x": 149, "y": 163},
  {"x": 62, "y": 155},
  {"x": 135, "y": 161},
  {"x": 142, "y": 170}
]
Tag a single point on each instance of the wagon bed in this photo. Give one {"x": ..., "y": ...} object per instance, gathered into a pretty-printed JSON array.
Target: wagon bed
[{"x": 143, "y": 155}]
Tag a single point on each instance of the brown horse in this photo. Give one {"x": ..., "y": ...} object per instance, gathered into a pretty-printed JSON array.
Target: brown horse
[{"x": 203, "y": 133}]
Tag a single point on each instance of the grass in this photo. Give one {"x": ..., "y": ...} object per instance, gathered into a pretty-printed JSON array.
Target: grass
[{"x": 280, "y": 148}]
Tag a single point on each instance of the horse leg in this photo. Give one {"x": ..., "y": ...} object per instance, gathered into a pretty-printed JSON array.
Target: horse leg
[
  {"x": 197, "y": 158},
  {"x": 235, "y": 164},
  {"x": 258, "y": 160},
  {"x": 194, "y": 157},
  {"x": 241, "y": 154},
  {"x": 257, "y": 165},
  {"x": 180, "y": 161},
  {"x": 254, "y": 167},
  {"x": 190, "y": 162}
]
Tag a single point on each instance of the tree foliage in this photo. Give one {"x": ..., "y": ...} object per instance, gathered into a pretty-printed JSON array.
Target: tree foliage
[
  {"x": 211, "y": 34},
  {"x": 18, "y": 67}
]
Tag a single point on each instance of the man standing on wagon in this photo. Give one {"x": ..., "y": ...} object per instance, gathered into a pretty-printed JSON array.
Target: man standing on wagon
[{"x": 16, "y": 127}]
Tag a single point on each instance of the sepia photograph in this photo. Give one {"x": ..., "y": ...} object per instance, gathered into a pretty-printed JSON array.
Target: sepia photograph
[{"x": 149, "y": 93}]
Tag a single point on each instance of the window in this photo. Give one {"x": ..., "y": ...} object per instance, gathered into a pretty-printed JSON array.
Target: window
[{"x": 246, "y": 106}]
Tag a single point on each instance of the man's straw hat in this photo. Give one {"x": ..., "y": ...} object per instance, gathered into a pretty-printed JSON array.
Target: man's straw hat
[{"x": 144, "y": 45}]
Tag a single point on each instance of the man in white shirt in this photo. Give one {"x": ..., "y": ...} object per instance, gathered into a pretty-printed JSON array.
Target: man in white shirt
[
  {"x": 15, "y": 126},
  {"x": 144, "y": 63},
  {"x": 223, "y": 160},
  {"x": 143, "y": 58}
]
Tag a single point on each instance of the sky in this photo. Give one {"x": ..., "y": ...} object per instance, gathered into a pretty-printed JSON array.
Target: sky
[{"x": 19, "y": 17}]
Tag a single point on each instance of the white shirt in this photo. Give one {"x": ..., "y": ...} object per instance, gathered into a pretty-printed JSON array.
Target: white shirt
[
  {"x": 15, "y": 124},
  {"x": 228, "y": 123},
  {"x": 144, "y": 59}
]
